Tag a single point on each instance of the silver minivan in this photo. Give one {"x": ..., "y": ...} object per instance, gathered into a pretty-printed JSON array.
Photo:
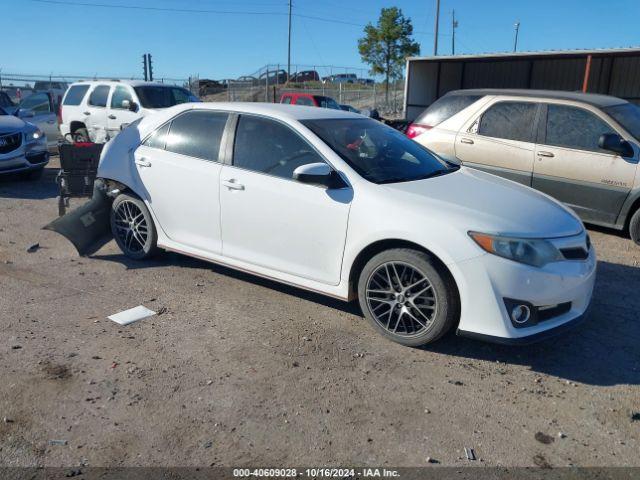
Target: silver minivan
[{"x": 582, "y": 149}]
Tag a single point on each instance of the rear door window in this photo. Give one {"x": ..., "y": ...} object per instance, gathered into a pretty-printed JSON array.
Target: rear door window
[
  {"x": 509, "y": 120},
  {"x": 197, "y": 134},
  {"x": 98, "y": 97},
  {"x": 75, "y": 94},
  {"x": 445, "y": 108},
  {"x": 573, "y": 127},
  {"x": 158, "y": 138}
]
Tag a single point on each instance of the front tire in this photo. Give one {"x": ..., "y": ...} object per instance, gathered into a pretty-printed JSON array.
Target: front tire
[
  {"x": 634, "y": 227},
  {"x": 407, "y": 297},
  {"x": 133, "y": 228}
]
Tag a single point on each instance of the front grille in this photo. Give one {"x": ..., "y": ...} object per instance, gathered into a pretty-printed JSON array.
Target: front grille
[
  {"x": 575, "y": 253},
  {"x": 11, "y": 142}
]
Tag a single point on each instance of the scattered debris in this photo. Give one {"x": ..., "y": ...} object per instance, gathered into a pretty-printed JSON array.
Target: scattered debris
[
  {"x": 96, "y": 357},
  {"x": 295, "y": 364},
  {"x": 635, "y": 416},
  {"x": 540, "y": 461},
  {"x": 457, "y": 383},
  {"x": 209, "y": 382},
  {"x": 33, "y": 248},
  {"x": 306, "y": 339},
  {"x": 562, "y": 435},
  {"x": 16, "y": 347},
  {"x": 544, "y": 438},
  {"x": 163, "y": 310},
  {"x": 471, "y": 455},
  {"x": 55, "y": 371},
  {"x": 7, "y": 420},
  {"x": 114, "y": 365},
  {"x": 132, "y": 315},
  {"x": 58, "y": 442},
  {"x": 208, "y": 444},
  {"x": 73, "y": 473},
  {"x": 432, "y": 460},
  {"x": 426, "y": 410}
]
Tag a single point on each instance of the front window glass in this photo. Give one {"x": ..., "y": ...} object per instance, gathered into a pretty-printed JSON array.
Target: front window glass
[
  {"x": 378, "y": 153},
  {"x": 266, "y": 146},
  {"x": 573, "y": 127},
  {"x": 120, "y": 94},
  {"x": 38, "y": 102},
  {"x": 627, "y": 115},
  {"x": 158, "y": 138},
  {"x": 162, "y": 97}
]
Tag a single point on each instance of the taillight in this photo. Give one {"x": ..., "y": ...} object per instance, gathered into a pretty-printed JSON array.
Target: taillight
[{"x": 414, "y": 130}]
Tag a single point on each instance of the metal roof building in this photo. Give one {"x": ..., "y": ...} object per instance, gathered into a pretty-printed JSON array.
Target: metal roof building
[{"x": 612, "y": 72}]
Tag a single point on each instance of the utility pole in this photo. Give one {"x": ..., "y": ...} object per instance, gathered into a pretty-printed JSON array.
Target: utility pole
[
  {"x": 435, "y": 39},
  {"x": 454, "y": 25},
  {"x": 289, "y": 46},
  {"x": 515, "y": 43}
]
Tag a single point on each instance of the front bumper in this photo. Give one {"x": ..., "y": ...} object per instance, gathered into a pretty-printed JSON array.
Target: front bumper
[
  {"x": 24, "y": 159},
  {"x": 486, "y": 281}
]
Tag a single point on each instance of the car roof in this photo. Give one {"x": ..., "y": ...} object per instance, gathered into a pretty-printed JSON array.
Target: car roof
[
  {"x": 276, "y": 110},
  {"x": 594, "y": 99}
]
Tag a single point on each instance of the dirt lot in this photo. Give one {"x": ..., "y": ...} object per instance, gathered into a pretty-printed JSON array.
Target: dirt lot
[{"x": 241, "y": 371}]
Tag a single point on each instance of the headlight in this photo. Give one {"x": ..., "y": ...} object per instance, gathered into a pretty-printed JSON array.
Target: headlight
[
  {"x": 531, "y": 251},
  {"x": 34, "y": 135}
]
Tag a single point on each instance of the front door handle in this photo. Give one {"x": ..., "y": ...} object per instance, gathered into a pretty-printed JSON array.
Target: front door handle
[
  {"x": 112, "y": 117},
  {"x": 143, "y": 162},
  {"x": 232, "y": 184},
  {"x": 87, "y": 113},
  {"x": 543, "y": 153},
  {"x": 467, "y": 141}
]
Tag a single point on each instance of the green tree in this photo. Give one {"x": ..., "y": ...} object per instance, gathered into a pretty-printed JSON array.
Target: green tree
[{"x": 386, "y": 46}]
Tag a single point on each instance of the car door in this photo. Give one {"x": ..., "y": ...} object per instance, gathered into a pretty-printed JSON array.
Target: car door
[
  {"x": 119, "y": 113},
  {"x": 271, "y": 220},
  {"x": 571, "y": 167},
  {"x": 96, "y": 113},
  {"x": 39, "y": 109},
  {"x": 179, "y": 166},
  {"x": 501, "y": 140}
]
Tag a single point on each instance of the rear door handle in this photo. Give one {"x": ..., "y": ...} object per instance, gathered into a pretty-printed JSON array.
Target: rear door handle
[
  {"x": 87, "y": 113},
  {"x": 466, "y": 140},
  {"x": 143, "y": 162},
  {"x": 112, "y": 117},
  {"x": 545, "y": 154},
  {"x": 232, "y": 185}
]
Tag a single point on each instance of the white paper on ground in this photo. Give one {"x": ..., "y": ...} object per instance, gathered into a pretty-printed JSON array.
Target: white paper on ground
[{"x": 132, "y": 315}]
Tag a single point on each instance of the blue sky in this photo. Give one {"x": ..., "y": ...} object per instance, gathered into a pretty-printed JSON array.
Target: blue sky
[{"x": 58, "y": 38}]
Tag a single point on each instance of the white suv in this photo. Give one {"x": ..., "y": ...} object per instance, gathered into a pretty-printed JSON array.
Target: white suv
[{"x": 97, "y": 110}]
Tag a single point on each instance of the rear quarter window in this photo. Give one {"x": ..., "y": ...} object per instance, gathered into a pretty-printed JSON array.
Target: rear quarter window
[
  {"x": 445, "y": 108},
  {"x": 75, "y": 95}
]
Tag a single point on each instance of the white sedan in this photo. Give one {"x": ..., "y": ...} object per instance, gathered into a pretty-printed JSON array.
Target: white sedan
[{"x": 340, "y": 204}]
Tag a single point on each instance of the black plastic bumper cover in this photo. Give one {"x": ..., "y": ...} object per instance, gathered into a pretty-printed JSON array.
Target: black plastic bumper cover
[{"x": 88, "y": 226}]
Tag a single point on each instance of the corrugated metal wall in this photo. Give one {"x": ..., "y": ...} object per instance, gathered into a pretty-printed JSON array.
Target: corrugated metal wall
[{"x": 611, "y": 73}]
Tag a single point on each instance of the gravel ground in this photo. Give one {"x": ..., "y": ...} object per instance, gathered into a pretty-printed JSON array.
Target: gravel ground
[{"x": 240, "y": 371}]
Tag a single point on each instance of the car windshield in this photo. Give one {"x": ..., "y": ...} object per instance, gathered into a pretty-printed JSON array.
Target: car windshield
[
  {"x": 378, "y": 153},
  {"x": 627, "y": 115},
  {"x": 163, "y": 97}
]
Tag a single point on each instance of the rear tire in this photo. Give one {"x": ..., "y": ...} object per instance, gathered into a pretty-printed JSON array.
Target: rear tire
[
  {"x": 634, "y": 227},
  {"x": 133, "y": 228},
  {"x": 407, "y": 297}
]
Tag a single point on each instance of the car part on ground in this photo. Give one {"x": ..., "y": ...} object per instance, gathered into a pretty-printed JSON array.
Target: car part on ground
[{"x": 314, "y": 197}]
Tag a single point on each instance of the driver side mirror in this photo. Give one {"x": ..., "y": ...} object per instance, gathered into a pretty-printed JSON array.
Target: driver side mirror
[
  {"x": 318, "y": 174},
  {"x": 130, "y": 105},
  {"x": 616, "y": 144}
]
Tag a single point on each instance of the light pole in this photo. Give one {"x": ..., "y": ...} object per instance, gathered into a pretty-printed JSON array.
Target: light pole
[
  {"x": 515, "y": 43},
  {"x": 454, "y": 25},
  {"x": 289, "y": 46},
  {"x": 435, "y": 39}
]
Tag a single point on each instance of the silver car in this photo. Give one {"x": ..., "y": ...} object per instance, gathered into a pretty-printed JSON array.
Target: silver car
[{"x": 23, "y": 147}]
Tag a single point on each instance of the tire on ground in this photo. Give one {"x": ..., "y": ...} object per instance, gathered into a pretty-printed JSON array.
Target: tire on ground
[
  {"x": 138, "y": 247},
  {"x": 444, "y": 289}
]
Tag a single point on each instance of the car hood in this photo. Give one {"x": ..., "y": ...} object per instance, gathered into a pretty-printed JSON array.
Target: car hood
[
  {"x": 478, "y": 201},
  {"x": 9, "y": 124}
]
